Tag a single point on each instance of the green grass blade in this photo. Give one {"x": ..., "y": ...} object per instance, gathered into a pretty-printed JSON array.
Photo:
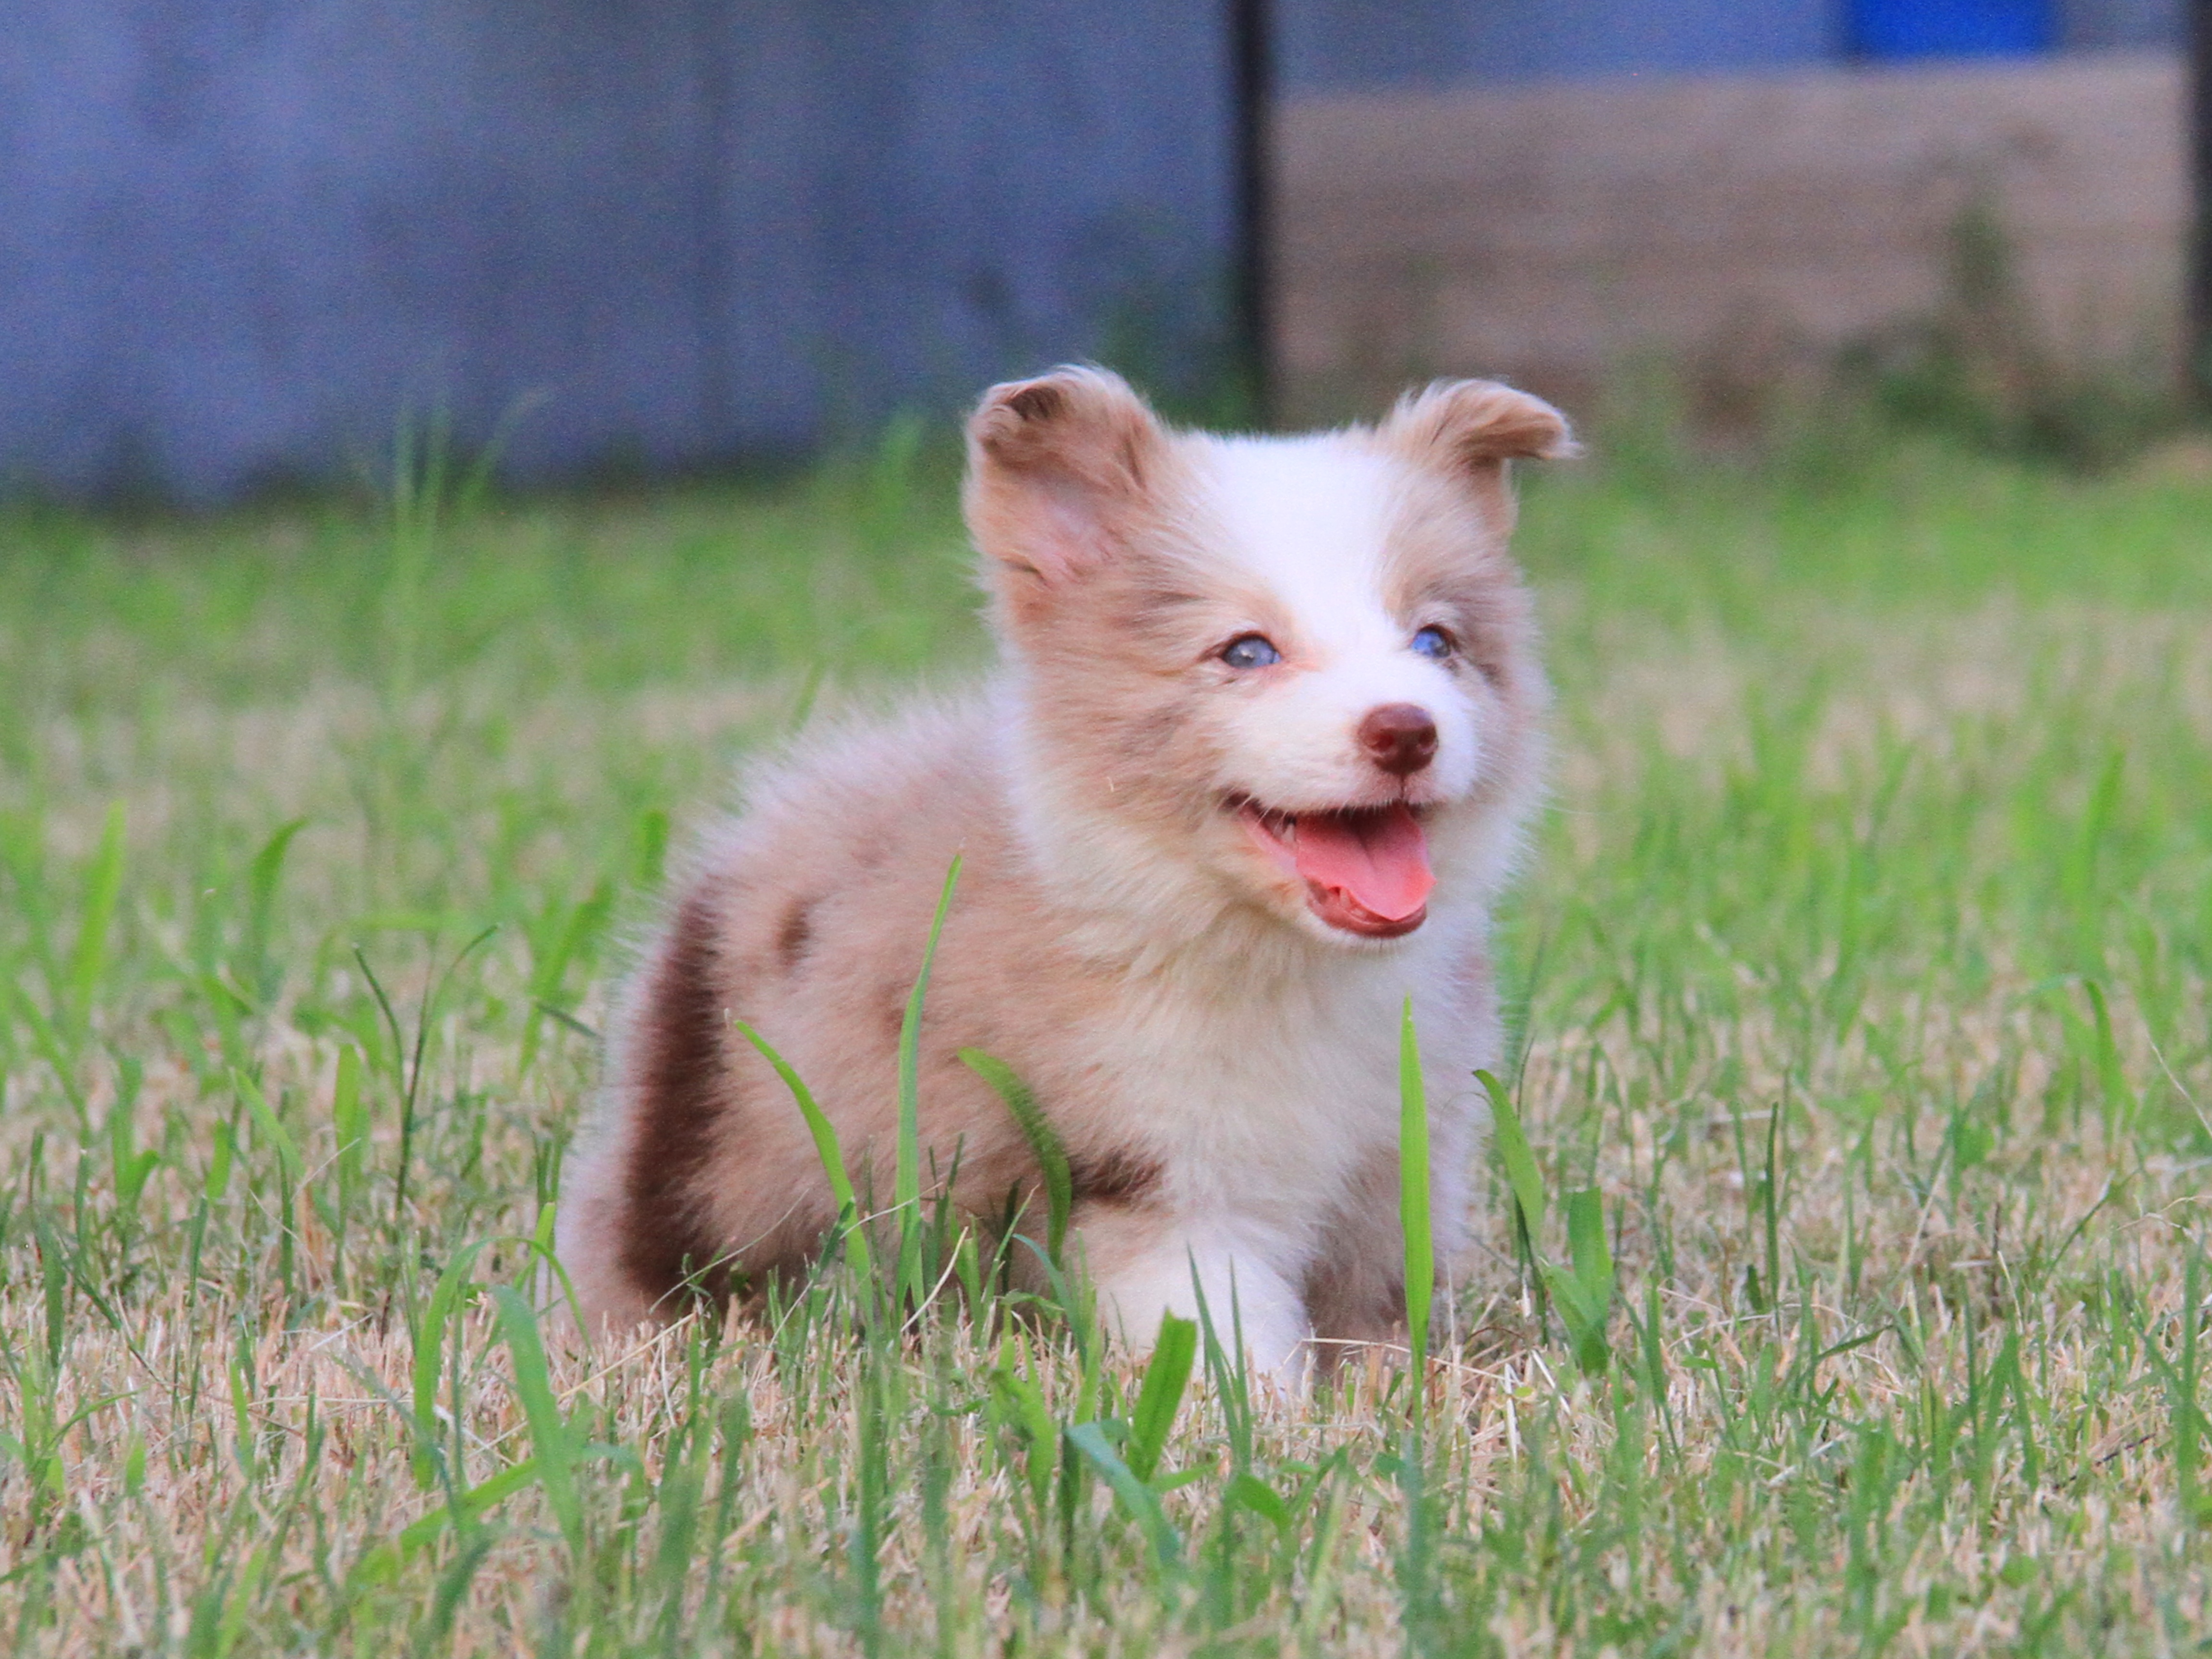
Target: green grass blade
[
  {"x": 130, "y": 1167},
  {"x": 1414, "y": 1218},
  {"x": 223, "y": 1150},
  {"x": 1160, "y": 1396},
  {"x": 1142, "y": 1503},
  {"x": 1575, "y": 1305},
  {"x": 264, "y": 873},
  {"x": 1249, "y": 1491},
  {"x": 270, "y": 1129},
  {"x": 1586, "y": 1245},
  {"x": 48, "y": 1041},
  {"x": 262, "y": 878},
  {"x": 2188, "y": 1415},
  {"x": 551, "y": 1440},
  {"x": 103, "y": 890},
  {"x": 430, "y": 1354},
  {"x": 473, "y": 1504},
  {"x": 2111, "y": 1077},
  {"x": 826, "y": 1148},
  {"x": 1019, "y": 1403},
  {"x": 1585, "y": 1294},
  {"x": 649, "y": 849},
  {"x": 906, "y": 1183},
  {"x": 349, "y": 1123},
  {"x": 1044, "y": 1142},
  {"x": 1521, "y": 1173}
]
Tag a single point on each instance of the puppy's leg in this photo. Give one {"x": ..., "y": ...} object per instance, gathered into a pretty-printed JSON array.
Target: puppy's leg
[
  {"x": 1355, "y": 1286},
  {"x": 1145, "y": 1263}
]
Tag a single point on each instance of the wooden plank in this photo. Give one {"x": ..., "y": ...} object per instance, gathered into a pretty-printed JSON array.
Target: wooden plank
[{"x": 1744, "y": 224}]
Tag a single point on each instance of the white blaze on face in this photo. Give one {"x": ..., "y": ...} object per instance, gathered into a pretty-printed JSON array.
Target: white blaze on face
[{"x": 1311, "y": 519}]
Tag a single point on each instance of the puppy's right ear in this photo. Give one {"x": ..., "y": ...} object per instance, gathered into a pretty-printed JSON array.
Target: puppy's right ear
[
  {"x": 1058, "y": 468},
  {"x": 1471, "y": 428}
]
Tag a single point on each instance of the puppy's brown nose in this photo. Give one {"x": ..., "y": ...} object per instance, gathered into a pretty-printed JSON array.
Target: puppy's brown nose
[{"x": 1401, "y": 737}]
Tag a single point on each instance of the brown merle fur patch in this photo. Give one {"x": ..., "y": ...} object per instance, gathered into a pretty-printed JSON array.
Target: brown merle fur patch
[
  {"x": 1119, "y": 1176},
  {"x": 794, "y": 934},
  {"x": 678, "y": 1109}
]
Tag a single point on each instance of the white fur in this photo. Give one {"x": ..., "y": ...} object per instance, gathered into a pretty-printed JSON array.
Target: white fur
[
  {"x": 1312, "y": 519},
  {"x": 1268, "y": 1096}
]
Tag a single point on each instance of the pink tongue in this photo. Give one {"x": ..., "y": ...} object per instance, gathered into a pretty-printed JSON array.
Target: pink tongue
[{"x": 1381, "y": 859}]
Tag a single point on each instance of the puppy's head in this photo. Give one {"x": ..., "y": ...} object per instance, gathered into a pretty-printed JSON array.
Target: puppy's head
[{"x": 1299, "y": 671}]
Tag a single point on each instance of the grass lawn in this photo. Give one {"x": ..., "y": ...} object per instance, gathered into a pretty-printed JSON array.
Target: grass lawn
[{"x": 1861, "y": 968}]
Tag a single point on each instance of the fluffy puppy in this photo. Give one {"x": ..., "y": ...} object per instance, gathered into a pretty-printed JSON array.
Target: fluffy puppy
[{"x": 1252, "y": 773}]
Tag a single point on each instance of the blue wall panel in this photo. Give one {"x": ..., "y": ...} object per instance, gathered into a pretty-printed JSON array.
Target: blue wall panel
[
  {"x": 238, "y": 240},
  {"x": 1336, "y": 46},
  {"x": 1345, "y": 45}
]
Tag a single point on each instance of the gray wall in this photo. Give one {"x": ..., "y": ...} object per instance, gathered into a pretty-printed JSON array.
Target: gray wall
[{"x": 239, "y": 239}]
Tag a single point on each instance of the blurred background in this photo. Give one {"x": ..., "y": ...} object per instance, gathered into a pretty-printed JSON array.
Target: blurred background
[{"x": 239, "y": 245}]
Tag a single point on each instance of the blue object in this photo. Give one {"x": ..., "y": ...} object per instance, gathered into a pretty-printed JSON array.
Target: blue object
[{"x": 1887, "y": 29}]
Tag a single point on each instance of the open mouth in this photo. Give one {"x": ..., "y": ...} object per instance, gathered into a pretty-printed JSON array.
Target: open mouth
[{"x": 1365, "y": 868}]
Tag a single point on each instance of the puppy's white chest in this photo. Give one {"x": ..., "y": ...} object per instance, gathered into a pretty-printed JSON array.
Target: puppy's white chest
[{"x": 1262, "y": 1107}]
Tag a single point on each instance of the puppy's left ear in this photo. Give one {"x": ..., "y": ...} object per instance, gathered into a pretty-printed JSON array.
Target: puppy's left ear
[
  {"x": 1471, "y": 428},
  {"x": 1058, "y": 468}
]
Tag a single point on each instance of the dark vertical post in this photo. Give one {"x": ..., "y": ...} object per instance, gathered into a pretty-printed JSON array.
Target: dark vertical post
[
  {"x": 2198, "y": 336},
  {"x": 1253, "y": 63}
]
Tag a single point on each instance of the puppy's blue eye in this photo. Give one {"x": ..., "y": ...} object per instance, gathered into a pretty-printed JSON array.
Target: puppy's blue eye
[
  {"x": 1433, "y": 643},
  {"x": 1250, "y": 651}
]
